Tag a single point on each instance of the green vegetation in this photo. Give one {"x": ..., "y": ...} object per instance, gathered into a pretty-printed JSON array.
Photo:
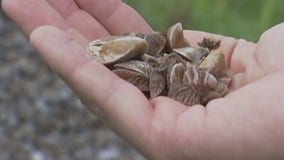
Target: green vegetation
[{"x": 238, "y": 18}]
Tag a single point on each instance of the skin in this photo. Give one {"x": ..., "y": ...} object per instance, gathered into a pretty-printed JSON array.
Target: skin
[{"x": 246, "y": 124}]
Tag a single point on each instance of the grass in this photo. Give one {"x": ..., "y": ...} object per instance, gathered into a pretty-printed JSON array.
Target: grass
[{"x": 241, "y": 19}]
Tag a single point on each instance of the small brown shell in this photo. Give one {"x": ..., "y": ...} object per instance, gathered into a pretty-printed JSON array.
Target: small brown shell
[
  {"x": 199, "y": 79},
  {"x": 153, "y": 61},
  {"x": 157, "y": 83},
  {"x": 156, "y": 42},
  {"x": 175, "y": 38},
  {"x": 215, "y": 64},
  {"x": 135, "y": 66},
  {"x": 117, "y": 48},
  {"x": 192, "y": 54},
  {"x": 210, "y": 43},
  {"x": 220, "y": 90},
  {"x": 139, "y": 80},
  {"x": 188, "y": 53},
  {"x": 176, "y": 74},
  {"x": 169, "y": 60},
  {"x": 192, "y": 74},
  {"x": 184, "y": 94},
  {"x": 207, "y": 79}
]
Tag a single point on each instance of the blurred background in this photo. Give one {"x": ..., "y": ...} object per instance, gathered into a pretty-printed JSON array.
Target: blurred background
[
  {"x": 40, "y": 117},
  {"x": 241, "y": 19}
]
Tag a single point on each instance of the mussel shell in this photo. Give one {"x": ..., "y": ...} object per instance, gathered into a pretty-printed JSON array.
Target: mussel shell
[
  {"x": 169, "y": 60},
  {"x": 192, "y": 54},
  {"x": 210, "y": 43},
  {"x": 137, "y": 79},
  {"x": 153, "y": 61},
  {"x": 175, "y": 74},
  {"x": 156, "y": 42},
  {"x": 215, "y": 64},
  {"x": 117, "y": 48},
  {"x": 201, "y": 80},
  {"x": 184, "y": 94},
  {"x": 220, "y": 91},
  {"x": 187, "y": 52},
  {"x": 175, "y": 38},
  {"x": 157, "y": 83},
  {"x": 135, "y": 66},
  {"x": 207, "y": 79}
]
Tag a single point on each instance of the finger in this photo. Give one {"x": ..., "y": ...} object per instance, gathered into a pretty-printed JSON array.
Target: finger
[
  {"x": 30, "y": 14},
  {"x": 80, "y": 39},
  {"x": 246, "y": 112},
  {"x": 23, "y": 13},
  {"x": 121, "y": 105},
  {"x": 115, "y": 16},
  {"x": 64, "y": 7},
  {"x": 79, "y": 19},
  {"x": 269, "y": 52}
]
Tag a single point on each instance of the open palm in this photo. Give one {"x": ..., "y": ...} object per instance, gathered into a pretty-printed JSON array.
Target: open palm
[{"x": 246, "y": 124}]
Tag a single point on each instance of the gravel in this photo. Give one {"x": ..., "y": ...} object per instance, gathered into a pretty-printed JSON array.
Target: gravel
[{"x": 40, "y": 117}]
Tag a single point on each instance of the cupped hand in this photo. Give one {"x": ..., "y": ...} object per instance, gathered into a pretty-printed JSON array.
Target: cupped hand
[{"x": 248, "y": 123}]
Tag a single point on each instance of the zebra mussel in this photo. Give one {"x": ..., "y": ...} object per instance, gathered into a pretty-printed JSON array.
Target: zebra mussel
[{"x": 166, "y": 64}]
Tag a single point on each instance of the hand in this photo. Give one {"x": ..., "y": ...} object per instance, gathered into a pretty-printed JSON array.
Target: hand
[{"x": 246, "y": 124}]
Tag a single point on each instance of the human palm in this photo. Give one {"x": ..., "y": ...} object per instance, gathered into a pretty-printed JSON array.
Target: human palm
[{"x": 245, "y": 124}]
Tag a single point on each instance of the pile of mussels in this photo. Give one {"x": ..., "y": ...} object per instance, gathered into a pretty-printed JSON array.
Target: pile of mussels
[{"x": 166, "y": 64}]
